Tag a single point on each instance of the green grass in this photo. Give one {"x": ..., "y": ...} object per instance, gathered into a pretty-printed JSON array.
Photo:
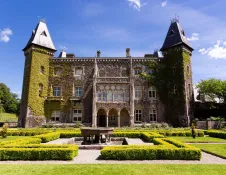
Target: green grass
[
  {"x": 8, "y": 117},
  {"x": 218, "y": 149},
  {"x": 199, "y": 139},
  {"x": 12, "y": 138},
  {"x": 113, "y": 169}
]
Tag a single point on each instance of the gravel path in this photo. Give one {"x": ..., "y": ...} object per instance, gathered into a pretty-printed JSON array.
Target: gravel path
[{"x": 91, "y": 157}]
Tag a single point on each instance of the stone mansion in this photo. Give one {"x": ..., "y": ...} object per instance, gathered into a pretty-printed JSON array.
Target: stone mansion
[{"x": 105, "y": 91}]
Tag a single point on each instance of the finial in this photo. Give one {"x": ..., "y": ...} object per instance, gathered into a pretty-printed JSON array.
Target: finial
[{"x": 175, "y": 18}]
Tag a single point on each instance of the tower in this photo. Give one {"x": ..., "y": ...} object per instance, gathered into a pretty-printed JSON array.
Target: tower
[
  {"x": 38, "y": 51},
  {"x": 177, "y": 74}
]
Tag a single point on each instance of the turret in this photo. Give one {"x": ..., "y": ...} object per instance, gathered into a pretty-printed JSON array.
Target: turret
[
  {"x": 37, "y": 51},
  {"x": 177, "y": 73}
]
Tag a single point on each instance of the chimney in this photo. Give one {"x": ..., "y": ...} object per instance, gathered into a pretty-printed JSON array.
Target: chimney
[
  {"x": 127, "y": 52},
  {"x": 98, "y": 53}
]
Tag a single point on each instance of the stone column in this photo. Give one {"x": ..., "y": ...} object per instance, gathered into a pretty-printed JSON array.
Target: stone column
[
  {"x": 106, "y": 120},
  {"x": 208, "y": 123},
  {"x": 118, "y": 119},
  {"x": 94, "y": 112},
  {"x": 131, "y": 93}
]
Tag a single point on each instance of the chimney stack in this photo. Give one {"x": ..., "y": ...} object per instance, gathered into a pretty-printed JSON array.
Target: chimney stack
[
  {"x": 127, "y": 52},
  {"x": 98, "y": 53}
]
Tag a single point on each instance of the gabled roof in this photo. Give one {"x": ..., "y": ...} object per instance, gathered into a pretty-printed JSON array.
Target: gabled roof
[
  {"x": 40, "y": 36},
  {"x": 175, "y": 36}
]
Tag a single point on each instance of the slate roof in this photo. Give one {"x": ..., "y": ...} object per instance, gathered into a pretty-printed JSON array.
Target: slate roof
[
  {"x": 175, "y": 36},
  {"x": 40, "y": 36}
]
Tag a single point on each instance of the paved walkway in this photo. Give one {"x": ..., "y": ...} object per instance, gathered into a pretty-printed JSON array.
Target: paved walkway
[
  {"x": 137, "y": 141},
  {"x": 92, "y": 156}
]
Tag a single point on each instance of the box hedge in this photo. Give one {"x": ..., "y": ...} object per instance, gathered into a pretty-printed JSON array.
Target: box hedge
[
  {"x": 48, "y": 137},
  {"x": 218, "y": 134},
  {"x": 177, "y": 151}
]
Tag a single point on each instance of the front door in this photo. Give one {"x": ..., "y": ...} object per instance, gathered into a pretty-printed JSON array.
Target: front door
[{"x": 102, "y": 120}]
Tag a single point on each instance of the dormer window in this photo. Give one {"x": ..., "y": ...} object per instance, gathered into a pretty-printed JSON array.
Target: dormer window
[
  {"x": 44, "y": 34},
  {"x": 182, "y": 31},
  {"x": 171, "y": 33}
]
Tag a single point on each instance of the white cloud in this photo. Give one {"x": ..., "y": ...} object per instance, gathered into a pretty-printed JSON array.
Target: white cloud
[
  {"x": 164, "y": 3},
  {"x": 4, "y": 34},
  {"x": 63, "y": 48},
  {"x": 136, "y": 4},
  {"x": 194, "y": 37},
  {"x": 218, "y": 51}
]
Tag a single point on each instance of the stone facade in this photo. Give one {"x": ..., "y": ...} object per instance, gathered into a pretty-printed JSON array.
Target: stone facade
[{"x": 100, "y": 91}]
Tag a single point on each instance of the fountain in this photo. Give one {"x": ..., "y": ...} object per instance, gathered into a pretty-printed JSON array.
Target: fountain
[{"x": 101, "y": 135}]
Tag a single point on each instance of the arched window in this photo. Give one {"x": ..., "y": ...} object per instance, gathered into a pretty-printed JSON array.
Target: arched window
[
  {"x": 57, "y": 71},
  {"x": 40, "y": 89},
  {"x": 42, "y": 69}
]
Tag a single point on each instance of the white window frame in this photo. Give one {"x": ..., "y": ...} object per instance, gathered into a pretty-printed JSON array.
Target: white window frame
[
  {"x": 138, "y": 115},
  {"x": 77, "y": 115},
  {"x": 152, "y": 92},
  {"x": 56, "y": 91},
  {"x": 153, "y": 115},
  {"x": 55, "y": 116},
  {"x": 78, "y": 91},
  {"x": 138, "y": 92}
]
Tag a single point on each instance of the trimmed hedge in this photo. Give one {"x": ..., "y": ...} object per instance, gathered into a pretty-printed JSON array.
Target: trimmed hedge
[
  {"x": 21, "y": 142},
  {"x": 156, "y": 152},
  {"x": 218, "y": 134},
  {"x": 182, "y": 133},
  {"x": 127, "y": 134},
  {"x": 48, "y": 137},
  {"x": 150, "y": 136},
  {"x": 67, "y": 134},
  {"x": 56, "y": 153}
]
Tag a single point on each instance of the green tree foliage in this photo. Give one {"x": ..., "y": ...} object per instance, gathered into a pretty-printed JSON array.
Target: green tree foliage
[
  {"x": 9, "y": 101},
  {"x": 211, "y": 89}
]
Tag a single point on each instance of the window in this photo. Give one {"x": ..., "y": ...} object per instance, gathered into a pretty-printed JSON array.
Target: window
[
  {"x": 153, "y": 115},
  {"x": 78, "y": 91},
  {"x": 175, "y": 89},
  {"x": 42, "y": 70},
  {"x": 138, "y": 115},
  {"x": 137, "y": 71},
  {"x": 104, "y": 96},
  {"x": 77, "y": 115},
  {"x": 188, "y": 69},
  {"x": 109, "y": 96},
  {"x": 55, "y": 116},
  {"x": 150, "y": 71},
  {"x": 138, "y": 93},
  {"x": 40, "y": 89},
  {"x": 121, "y": 96},
  {"x": 98, "y": 96},
  {"x": 57, "y": 71},
  {"x": 44, "y": 34},
  {"x": 56, "y": 91},
  {"x": 115, "y": 96},
  {"x": 78, "y": 73},
  {"x": 189, "y": 89},
  {"x": 152, "y": 92}
]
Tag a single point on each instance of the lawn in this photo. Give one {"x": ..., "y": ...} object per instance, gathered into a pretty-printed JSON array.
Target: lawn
[
  {"x": 8, "y": 117},
  {"x": 146, "y": 169},
  {"x": 218, "y": 149},
  {"x": 199, "y": 139},
  {"x": 12, "y": 138}
]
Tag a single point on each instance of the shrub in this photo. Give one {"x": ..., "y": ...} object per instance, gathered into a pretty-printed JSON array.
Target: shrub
[
  {"x": 21, "y": 142},
  {"x": 68, "y": 134},
  {"x": 150, "y": 136},
  {"x": 48, "y": 137},
  {"x": 127, "y": 134},
  {"x": 218, "y": 134},
  {"x": 4, "y": 130},
  {"x": 56, "y": 153}
]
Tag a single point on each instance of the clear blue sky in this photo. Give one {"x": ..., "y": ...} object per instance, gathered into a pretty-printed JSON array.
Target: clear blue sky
[{"x": 83, "y": 26}]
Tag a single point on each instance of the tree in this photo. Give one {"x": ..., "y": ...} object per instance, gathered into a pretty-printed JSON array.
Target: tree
[
  {"x": 9, "y": 101},
  {"x": 212, "y": 89}
]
